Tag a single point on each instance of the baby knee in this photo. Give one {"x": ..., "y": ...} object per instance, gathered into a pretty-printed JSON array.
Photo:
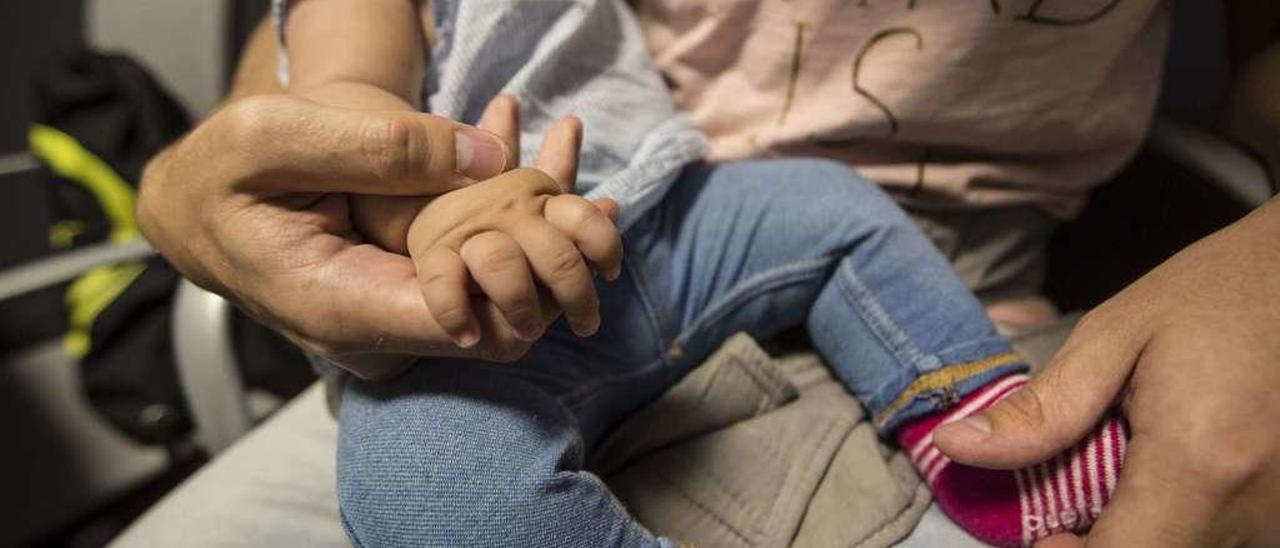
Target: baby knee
[
  {"x": 849, "y": 191},
  {"x": 835, "y": 195},
  {"x": 438, "y": 499},
  {"x": 455, "y": 468},
  {"x": 825, "y": 186}
]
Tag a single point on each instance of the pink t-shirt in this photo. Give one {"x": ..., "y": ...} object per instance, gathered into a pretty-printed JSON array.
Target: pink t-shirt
[{"x": 976, "y": 102}]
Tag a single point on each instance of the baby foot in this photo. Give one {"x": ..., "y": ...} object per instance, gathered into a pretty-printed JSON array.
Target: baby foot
[{"x": 1017, "y": 507}]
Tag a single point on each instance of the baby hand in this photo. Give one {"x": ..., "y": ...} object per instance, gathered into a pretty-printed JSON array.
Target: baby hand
[{"x": 522, "y": 240}]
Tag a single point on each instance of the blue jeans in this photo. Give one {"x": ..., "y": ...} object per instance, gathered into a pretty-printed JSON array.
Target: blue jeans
[{"x": 463, "y": 453}]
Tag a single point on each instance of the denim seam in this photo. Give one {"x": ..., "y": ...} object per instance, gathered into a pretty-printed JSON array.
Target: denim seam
[
  {"x": 969, "y": 344},
  {"x": 652, "y": 314},
  {"x": 881, "y": 324},
  {"x": 614, "y": 502},
  {"x": 754, "y": 286},
  {"x": 585, "y": 394},
  {"x": 351, "y": 532}
]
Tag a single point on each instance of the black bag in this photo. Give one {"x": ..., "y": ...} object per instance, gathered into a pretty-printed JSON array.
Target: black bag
[{"x": 99, "y": 119}]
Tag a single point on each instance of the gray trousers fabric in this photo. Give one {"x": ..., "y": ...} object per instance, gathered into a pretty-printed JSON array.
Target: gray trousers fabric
[{"x": 998, "y": 252}]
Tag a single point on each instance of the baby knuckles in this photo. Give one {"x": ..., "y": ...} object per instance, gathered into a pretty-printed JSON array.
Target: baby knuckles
[{"x": 499, "y": 203}]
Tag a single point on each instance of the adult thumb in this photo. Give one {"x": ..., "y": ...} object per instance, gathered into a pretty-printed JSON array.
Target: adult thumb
[
  {"x": 289, "y": 145},
  {"x": 1058, "y": 408}
]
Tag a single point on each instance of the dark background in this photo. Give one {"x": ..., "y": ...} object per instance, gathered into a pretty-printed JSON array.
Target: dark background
[{"x": 34, "y": 32}]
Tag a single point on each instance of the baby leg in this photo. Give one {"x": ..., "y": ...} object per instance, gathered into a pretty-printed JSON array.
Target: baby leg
[
  {"x": 763, "y": 246},
  {"x": 1018, "y": 507},
  {"x": 464, "y": 454}
]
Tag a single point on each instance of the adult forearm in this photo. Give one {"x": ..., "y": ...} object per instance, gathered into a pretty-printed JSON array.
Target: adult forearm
[
  {"x": 357, "y": 53},
  {"x": 1245, "y": 255},
  {"x": 1266, "y": 220},
  {"x": 256, "y": 69}
]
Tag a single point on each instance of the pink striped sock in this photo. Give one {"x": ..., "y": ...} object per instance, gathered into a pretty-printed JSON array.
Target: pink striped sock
[{"x": 1017, "y": 507}]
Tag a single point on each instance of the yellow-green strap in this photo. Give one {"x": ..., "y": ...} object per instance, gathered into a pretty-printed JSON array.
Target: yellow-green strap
[
  {"x": 96, "y": 289},
  {"x": 66, "y": 157},
  {"x": 88, "y": 296}
]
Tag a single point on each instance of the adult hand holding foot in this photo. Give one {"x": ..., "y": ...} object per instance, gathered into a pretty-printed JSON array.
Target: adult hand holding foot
[
  {"x": 252, "y": 205},
  {"x": 1191, "y": 353}
]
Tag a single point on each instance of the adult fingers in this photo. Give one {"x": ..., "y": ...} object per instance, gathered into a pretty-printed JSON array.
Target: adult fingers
[
  {"x": 1064, "y": 540},
  {"x": 1056, "y": 409},
  {"x": 560, "y": 267},
  {"x": 444, "y": 279},
  {"x": 498, "y": 266},
  {"x": 590, "y": 229},
  {"x": 502, "y": 118},
  {"x": 285, "y": 144},
  {"x": 1158, "y": 501},
  {"x": 558, "y": 156},
  {"x": 1195, "y": 468}
]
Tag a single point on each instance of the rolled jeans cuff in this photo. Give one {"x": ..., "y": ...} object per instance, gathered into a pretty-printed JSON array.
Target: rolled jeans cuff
[{"x": 942, "y": 388}]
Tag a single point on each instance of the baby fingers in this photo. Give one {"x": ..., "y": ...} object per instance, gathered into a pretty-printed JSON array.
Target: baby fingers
[
  {"x": 444, "y": 280},
  {"x": 590, "y": 229},
  {"x": 498, "y": 265},
  {"x": 560, "y": 267}
]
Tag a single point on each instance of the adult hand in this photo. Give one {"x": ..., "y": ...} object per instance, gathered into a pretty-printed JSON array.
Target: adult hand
[
  {"x": 496, "y": 267},
  {"x": 252, "y": 205},
  {"x": 1192, "y": 353}
]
